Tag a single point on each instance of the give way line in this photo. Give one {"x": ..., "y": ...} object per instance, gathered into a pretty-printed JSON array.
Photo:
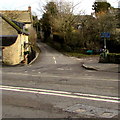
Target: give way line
[{"x": 61, "y": 94}]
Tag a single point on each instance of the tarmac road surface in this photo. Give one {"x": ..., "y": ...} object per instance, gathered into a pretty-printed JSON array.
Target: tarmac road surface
[{"x": 57, "y": 86}]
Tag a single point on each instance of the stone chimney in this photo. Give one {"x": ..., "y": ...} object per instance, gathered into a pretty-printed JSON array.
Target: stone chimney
[{"x": 29, "y": 9}]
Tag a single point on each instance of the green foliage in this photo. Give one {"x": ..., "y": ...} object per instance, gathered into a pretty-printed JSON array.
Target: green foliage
[
  {"x": 51, "y": 9},
  {"x": 57, "y": 37},
  {"x": 78, "y": 55},
  {"x": 59, "y": 21},
  {"x": 101, "y": 6},
  {"x": 47, "y": 19},
  {"x": 118, "y": 17},
  {"x": 46, "y": 26},
  {"x": 110, "y": 58},
  {"x": 32, "y": 37},
  {"x": 113, "y": 58},
  {"x": 36, "y": 23}
]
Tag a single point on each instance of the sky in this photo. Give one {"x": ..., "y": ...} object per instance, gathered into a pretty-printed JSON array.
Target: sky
[{"x": 37, "y": 5}]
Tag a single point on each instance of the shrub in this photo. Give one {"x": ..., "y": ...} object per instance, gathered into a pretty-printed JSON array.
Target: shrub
[
  {"x": 56, "y": 45},
  {"x": 57, "y": 37},
  {"x": 32, "y": 36},
  {"x": 67, "y": 48},
  {"x": 110, "y": 58},
  {"x": 113, "y": 58}
]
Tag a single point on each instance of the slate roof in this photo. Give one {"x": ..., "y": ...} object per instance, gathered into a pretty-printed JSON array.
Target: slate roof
[
  {"x": 17, "y": 15},
  {"x": 7, "y": 29},
  {"x": 10, "y": 30},
  {"x": 10, "y": 27}
]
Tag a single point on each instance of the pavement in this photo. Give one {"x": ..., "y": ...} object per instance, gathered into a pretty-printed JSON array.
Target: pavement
[{"x": 106, "y": 67}]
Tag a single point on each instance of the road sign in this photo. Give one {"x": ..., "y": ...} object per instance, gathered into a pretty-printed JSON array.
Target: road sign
[{"x": 105, "y": 35}]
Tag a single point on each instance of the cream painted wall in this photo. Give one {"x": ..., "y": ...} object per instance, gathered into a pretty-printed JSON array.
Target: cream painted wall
[
  {"x": 28, "y": 25},
  {"x": 14, "y": 54}
]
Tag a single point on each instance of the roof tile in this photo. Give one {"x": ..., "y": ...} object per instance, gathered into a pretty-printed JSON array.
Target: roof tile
[{"x": 20, "y": 16}]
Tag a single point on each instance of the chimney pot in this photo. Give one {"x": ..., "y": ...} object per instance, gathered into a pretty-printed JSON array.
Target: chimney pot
[{"x": 29, "y": 8}]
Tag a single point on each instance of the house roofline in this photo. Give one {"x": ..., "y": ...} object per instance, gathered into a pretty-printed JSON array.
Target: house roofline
[
  {"x": 20, "y": 31},
  {"x": 14, "y": 11}
]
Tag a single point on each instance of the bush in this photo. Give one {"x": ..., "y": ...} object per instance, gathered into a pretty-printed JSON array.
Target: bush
[
  {"x": 32, "y": 36},
  {"x": 67, "y": 48},
  {"x": 110, "y": 58},
  {"x": 113, "y": 58},
  {"x": 57, "y": 37},
  {"x": 56, "y": 45}
]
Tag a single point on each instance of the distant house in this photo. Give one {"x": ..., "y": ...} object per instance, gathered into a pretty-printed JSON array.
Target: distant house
[
  {"x": 23, "y": 16},
  {"x": 15, "y": 44}
]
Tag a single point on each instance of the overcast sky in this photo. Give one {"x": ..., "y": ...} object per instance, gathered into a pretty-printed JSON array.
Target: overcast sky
[{"x": 84, "y": 5}]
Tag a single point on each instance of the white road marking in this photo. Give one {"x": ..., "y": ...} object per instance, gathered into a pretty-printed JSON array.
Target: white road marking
[
  {"x": 62, "y": 94},
  {"x": 101, "y": 96},
  {"x": 61, "y": 69},
  {"x": 54, "y": 60},
  {"x": 79, "y": 59},
  {"x": 64, "y": 69},
  {"x": 58, "y": 76},
  {"x": 91, "y": 71}
]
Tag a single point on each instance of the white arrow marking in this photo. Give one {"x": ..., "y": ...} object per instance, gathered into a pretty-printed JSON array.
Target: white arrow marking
[{"x": 54, "y": 60}]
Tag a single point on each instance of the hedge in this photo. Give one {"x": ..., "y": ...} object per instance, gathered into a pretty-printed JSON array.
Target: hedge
[
  {"x": 113, "y": 58},
  {"x": 110, "y": 58}
]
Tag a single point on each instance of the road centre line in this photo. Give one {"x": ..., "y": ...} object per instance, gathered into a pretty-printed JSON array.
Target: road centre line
[
  {"x": 54, "y": 58},
  {"x": 58, "y": 76},
  {"x": 61, "y": 69},
  {"x": 55, "y": 91},
  {"x": 64, "y": 69},
  {"x": 62, "y": 94}
]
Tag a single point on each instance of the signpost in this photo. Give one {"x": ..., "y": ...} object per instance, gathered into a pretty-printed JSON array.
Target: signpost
[
  {"x": 105, "y": 35},
  {"x": 103, "y": 55}
]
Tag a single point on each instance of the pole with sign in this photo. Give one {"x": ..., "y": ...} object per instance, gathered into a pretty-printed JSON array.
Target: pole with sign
[
  {"x": 105, "y": 35},
  {"x": 104, "y": 43}
]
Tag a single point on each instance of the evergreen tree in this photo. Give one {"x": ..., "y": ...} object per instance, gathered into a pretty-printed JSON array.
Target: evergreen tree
[
  {"x": 47, "y": 19},
  {"x": 101, "y": 7}
]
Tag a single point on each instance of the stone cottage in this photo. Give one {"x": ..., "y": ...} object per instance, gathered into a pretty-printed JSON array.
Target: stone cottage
[{"x": 15, "y": 44}]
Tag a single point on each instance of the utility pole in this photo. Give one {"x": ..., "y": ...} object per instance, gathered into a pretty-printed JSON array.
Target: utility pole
[
  {"x": 105, "y": 35},
  {"x": 104, "y": 43}
]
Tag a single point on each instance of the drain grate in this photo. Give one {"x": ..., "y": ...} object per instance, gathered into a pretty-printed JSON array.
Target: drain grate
[{"x": 92, "y": 111}]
